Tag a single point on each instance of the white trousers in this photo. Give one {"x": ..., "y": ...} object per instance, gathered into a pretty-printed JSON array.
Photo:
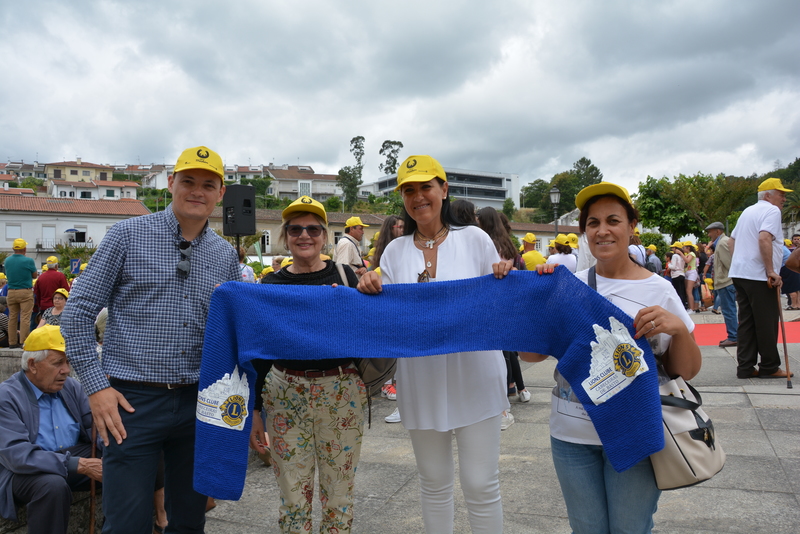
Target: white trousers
[{"x": 478, "y": 458}]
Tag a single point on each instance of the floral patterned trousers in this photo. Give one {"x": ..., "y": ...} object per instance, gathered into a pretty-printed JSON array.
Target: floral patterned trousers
[{"x": 315, "y": 422}]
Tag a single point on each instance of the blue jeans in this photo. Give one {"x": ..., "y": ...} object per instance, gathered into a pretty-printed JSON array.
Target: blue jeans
[
  {"x": 600, "y": 500},
  {"x": 727, "y": 299},
  {"x": 164, "y": 420}
]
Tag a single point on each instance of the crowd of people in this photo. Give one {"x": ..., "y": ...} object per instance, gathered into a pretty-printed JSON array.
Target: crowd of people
[{"x": 149, "y": 285}]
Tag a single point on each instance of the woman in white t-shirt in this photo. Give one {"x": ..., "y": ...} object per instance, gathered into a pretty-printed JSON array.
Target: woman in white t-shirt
[
  {"x": 563, "y": 255},
  {"x": 439, "y": 396},
  {"x": 598, "y": 498}
]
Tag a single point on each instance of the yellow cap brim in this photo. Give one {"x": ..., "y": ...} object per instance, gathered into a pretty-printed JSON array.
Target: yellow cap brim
[{"x": 603, "y": 188}]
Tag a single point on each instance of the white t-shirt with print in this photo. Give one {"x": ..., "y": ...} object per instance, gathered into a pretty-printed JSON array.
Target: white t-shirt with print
[{"x": 568, "y": 419}]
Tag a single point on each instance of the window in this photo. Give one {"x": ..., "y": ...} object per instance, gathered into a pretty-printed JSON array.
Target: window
[
  {"x": 336, "y": 237},
  {"x": 86, "y": 194},
  {"x": 48, "y": 237},
  {"x": 104, "y": 176},
  {"x": 269, "y": 191},
  {"x": 109, "y": 193},
  {"x": 57, "y": 174},
  {"x": 85, "y": 173},
  {"x": 13, "y": 231},
  {"x": 127, "y": 194},
  {"x": 73, "y": 172},
  {"x": 72, "y": 194},
  {"x": 303, "y": 188},
  {"x": 62, "y": 193}
]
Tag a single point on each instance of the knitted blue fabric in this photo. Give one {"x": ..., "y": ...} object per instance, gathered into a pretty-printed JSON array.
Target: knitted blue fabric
[{"x": 553, "y": 314}]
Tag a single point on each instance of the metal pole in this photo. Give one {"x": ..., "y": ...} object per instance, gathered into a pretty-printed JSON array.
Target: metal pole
[{"x": 555, "y": 217}]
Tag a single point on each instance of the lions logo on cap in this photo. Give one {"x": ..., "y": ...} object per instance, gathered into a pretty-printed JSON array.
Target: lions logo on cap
[
  {"x": 627, "y": 359},
  {"x": 234, "y": 410},
  {"x": 410, "y": 164},
  {"x": 306, "y": 200},
  {"x": 202, "y": 154}
]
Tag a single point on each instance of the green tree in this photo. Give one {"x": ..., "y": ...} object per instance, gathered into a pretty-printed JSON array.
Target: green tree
[
  {"x": 509, "y": 208},
  {"x": 31, "y": 183},
  {"x": 657, "y": 211},
  {"x": 533, "y": 193},
  {"x": 350, "y": 176},
  {"x": 333, "y": 204},
  {"x": 586, "y": 173},
  {"x": 390, "y": 150}
]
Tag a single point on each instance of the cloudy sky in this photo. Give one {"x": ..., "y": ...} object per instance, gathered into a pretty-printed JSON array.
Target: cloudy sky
[{"x": 528, "y": 87}]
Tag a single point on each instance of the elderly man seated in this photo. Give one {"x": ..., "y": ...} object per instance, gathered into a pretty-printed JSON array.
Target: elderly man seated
[{"x": 45, "y": 436}]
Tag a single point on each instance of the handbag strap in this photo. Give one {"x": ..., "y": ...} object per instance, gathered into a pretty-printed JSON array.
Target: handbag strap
[
  {"x": 686, "y": 404},
  {"x": 342, "y": 274},
  {"x": 593, "y": 277}
]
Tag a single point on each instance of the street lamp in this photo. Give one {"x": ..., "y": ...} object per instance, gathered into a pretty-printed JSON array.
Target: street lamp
[{"x": 555, "y": 196}]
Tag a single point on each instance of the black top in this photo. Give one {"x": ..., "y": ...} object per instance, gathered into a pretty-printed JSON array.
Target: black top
[{"x": 327, "y": 276}]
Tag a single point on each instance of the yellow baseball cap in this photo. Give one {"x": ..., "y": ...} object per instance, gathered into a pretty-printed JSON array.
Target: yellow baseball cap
[
  {"x": 324, "y": 257},
  {"x": 44, "y": 267},
  {"x": 419, "y": 169},
  {"x": 651, "y": 247},
  {"x": 552, "y": 243},
  {"x": 83, "y": 266},
  {"x": 530, "y": 238},
  {"x": 376, "y": 235},
  {"x": 19, "y": 244},
  {"x": 47, "y": 337},
  {"x": 305, "y": 204},
  {"x": 61, "y": 291},
  {"x": 267, "y": 270},
  {"x": 676, "y": 244},
  {"x": 200, "y": 157},
  {"x": 354, "y": 221},
  {"x": 573, "y": 240},
  {"x": 522, "y": 248},
  {"x": 636, "y": 231},
  {"x": 603, "y": 188},
  {"x": 52, "y": 259},
  {"x": 561, "y": 239},
  {"x": 773, "y": 183},
  {"x": 2, "y": 276},
  {"x": 286, "y": 261},
  {"x": 787, "y": 242}
]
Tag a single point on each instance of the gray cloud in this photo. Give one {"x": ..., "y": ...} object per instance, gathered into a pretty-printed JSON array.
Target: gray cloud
[{"x": 526, "y": 87}]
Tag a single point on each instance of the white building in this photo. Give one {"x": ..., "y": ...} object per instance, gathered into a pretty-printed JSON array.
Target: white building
[
  {"x": 481, "y": 188},
  {"x": 45, "y": 222}
]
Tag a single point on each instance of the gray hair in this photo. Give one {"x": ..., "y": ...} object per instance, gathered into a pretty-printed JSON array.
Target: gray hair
[
  {"x": 763, "y": 194},
  {"x": 53, "y": 266},
  {"x": 36, "y": 355}
]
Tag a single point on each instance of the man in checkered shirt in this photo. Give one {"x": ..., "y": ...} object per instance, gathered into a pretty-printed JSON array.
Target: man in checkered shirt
[{"x": 155, "y": 274}]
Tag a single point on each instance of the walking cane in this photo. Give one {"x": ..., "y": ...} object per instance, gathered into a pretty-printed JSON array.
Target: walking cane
[
  {"x": 92, "y": 490},
  {"x": 783, "y": 334}
]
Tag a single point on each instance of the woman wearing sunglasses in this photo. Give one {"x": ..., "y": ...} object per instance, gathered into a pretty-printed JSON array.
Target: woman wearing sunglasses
[
  {"x": 442, "y": 395},
  {"x": 314, "y": 408}
]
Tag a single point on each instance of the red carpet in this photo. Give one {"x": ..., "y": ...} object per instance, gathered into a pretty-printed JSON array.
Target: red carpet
[{"x": 712, "y": 334}]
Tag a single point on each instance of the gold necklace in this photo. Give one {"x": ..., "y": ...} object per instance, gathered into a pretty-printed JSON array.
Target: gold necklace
[{"x": 429, "y": 242}]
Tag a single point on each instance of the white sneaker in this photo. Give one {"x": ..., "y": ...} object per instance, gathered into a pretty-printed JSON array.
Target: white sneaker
[
  {"x": 506, "y": 421},
  {"x": 394, "y": 417},
  {"x": 524, "y": 396}
]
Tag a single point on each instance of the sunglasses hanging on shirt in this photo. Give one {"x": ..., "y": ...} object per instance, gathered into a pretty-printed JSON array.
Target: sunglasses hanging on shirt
[{"x": 185, "y": 266}]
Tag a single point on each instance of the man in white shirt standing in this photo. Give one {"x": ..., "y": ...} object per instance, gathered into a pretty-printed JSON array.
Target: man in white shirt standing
[
  {"x": 348, "y": 249},
  {"x": 756, "y": 244}
]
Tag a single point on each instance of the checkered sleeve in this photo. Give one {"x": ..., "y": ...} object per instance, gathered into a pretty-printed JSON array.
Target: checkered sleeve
[{"x": 87, "y": 298}]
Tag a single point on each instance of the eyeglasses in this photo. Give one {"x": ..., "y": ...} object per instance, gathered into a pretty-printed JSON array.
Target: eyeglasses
[
  {"x": 185, "y": 266},
  {"x": 313, "y": 230}
]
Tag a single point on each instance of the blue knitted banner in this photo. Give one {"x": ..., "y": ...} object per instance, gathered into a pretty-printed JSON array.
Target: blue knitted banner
[{"x": 614, "y": 376}]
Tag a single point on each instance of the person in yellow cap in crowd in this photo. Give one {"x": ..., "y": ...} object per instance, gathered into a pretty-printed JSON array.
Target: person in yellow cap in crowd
[
  {"x": 348, "y": 250},
  {"x": 653, "y": 262},
  {"x": 45, "y": 436},
  {"x": 573, "y": 244},
  {"x": 551, "y": 248},
  {"x": 52, "y": 315},
  {"x": 448, "y": 394},
  {"x": 677, "y": 271},
  {"x": 530, "y": 255},
  {"x": 315, "y": 408},
  {"x": 791, "y": 279},
  {"x": 287, "y": 261},
  {"x": 156, "y": 274},
  {"x": 21, "y": 272},
  {"x": 3, "y": 280},
  {"x": 757, "y": 255},
  {"x": 563, "y": 255},
  {"x": 47, "y": 284}
]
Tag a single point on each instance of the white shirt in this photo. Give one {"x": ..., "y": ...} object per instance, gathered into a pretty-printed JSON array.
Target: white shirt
[
  {"x": 567, "y": 260},
  {"x": 676, "y": 266},
  {"x": 568, "y": 419},
  {"x": 746, "y": 262},
  {"x": 447, "y": 391}
]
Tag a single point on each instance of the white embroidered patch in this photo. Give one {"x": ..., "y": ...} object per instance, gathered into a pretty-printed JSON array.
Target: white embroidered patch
[
  {"x": 224, "y": 403},
  {"x": 616, "y": 362}
]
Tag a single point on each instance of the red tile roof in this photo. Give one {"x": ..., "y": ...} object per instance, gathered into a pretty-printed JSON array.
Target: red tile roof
[
  {"x": 126, "y": 207},
  {"x": 115, "y": 183},
  {"x": 295, "y": 173},
  {"x": 74, "y": 184},
  {"x": 333, "y": 217},
  {"x": 8, "y": 177},
  {"x": 16, "y": 191}
]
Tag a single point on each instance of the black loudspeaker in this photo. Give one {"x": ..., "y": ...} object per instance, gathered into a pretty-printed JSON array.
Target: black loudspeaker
[{"x": 239, "y": 210}]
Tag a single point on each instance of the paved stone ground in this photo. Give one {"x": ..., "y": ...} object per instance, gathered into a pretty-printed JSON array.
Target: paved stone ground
[{"x": 757, "y": 421}]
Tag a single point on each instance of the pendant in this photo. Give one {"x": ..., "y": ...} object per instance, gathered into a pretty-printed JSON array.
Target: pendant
[
  {"x": 429, "y": 243},
  {"x": 423, "y": 276},
  {"x": 428, "y": 265}
]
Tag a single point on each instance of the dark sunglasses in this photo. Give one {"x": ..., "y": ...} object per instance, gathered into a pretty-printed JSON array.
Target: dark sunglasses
[
  {"x": 185, "y": 266},
  {"x": 295, "y": 230}
]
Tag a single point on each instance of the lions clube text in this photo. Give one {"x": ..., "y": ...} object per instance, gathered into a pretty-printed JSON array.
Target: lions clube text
[{"x": 238, "y": 310}]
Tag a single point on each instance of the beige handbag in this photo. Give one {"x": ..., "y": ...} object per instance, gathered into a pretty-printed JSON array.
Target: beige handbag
[{"x": 691, "y": 452}]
